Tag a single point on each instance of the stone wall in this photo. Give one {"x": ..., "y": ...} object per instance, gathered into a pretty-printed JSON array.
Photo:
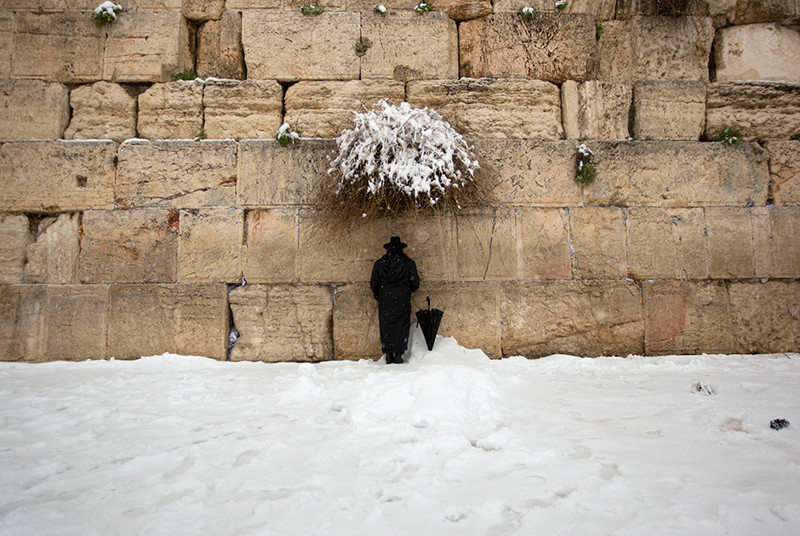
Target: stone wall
[{"x": 123, "y": 232}]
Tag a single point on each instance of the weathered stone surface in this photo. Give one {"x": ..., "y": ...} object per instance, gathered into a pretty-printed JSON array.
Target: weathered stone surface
[
  {"x": 243, "y": 5},
  {"x": 291, "y": 46},
  {"x": 273, "y": 175},
  {"x": 431, "y": 243},
  {"x": 147, "y": 47},
  {"x": 757, "y": 52},
  {"x": 324, "y": 109},
  {"x": 543, "y": 243},
  {"x": 56, "y": 176},
  {"x": 464, "y": 9},
  {"x": 784, "y": 170},
  {"x": 762, "y": 110},
  {"x": 53, "y": 256},
  {"x": 102, "y": 111},
  {"x": 270, "y": 252},
  {"x": 666, "y": 243},
  {"x": 356, "y": 331},
  {"x": 210, "y": 246},
  {"x": 65, "y": 47},
  {"x": 586, "y": 318},
  {"x": 219, "y": 51},
  {"x": 726, "y": 12},
  {"x": 775, "y": 236},
  {"x": 598, "y": 241},
  {"x": 282, "y": 323},
  {"x": 554, "y": 47},
  {"x": 487, "y": 245},
  {"x": 669, "y": 110},
  {"x": 765, "y": 316},
  {"x": 730, "y": 242},
  {"x": 678, "y": 174},
  {"x": 655, "y": 48},
  {"x": 179, "y": 174},
  {"x": 627, "y": 9},
  {"x": 129, "y": 246},
  {"x": 600, "y": 9},
  {"x": 240, "y": 110},
  {"x": 201, "y": 10},
  {"x": 15, "y": 236},
  {"x": 6, "y": 42},
  {"x": 171, "y": 110},
  {"x": 530, "y": 173},
  {"x": 32, "y": 110},
  {"x": 683, "y": 317},
  {"x": 75, "y": 322},
  {"x": 22, "y": 322},
  {"x": 45, "y": 6},
  {"x": 595, "y": 110},
  {"x": 407, "y": 46},
  {"x": 190, "y": 319},
  {"x": 487, "y": 108}
]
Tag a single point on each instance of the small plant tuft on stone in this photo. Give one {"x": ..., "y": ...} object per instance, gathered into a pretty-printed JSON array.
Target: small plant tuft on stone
[
  {"x": 598, "y": 31},
  {"x": 311, "y": 10},
  {"x": 795, "y": 137},
  {"x": 188, "y": 74},
  {"x": 380, "y": 10},
  {"x": 529, "y": 13},
  {"x": 106, "y": 13},
  {"x": 423, "y": 7},
  {"x": 585, "y": 172},
  {"x": 201, "y": 136},
  {"x": 729, "y": 134},
  {"x": 285, "y": 135},
  {"x": 561, "y": 5}
]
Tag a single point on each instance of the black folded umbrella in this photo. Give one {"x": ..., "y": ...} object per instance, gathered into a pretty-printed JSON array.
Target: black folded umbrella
[{"x": 429, "y": 320}]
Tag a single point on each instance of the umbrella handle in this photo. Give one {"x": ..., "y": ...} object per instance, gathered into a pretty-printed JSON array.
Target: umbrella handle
[{"x": 429, "y": 302}]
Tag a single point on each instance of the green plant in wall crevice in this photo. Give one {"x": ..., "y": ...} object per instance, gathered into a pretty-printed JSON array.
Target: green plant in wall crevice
[
  {"x": 106, "y": 13},
  {"x": 311, "y": 10},
  {"x": 729, "y": 134},
  {"x": 585, "y": 170}
]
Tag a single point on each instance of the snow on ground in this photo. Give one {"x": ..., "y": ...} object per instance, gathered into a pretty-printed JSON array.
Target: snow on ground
[{"x": 449, "y": 443}]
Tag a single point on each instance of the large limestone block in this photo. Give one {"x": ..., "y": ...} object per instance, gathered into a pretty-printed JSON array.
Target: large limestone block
[
  {"x": 407, "y": 46},
  {"x": 6, "y": 43},
  {"x": 178, "y": 174},
  {"x": 32, "y": 110},
  {"x": 171, "y": 110},
  {"x": 147, "y": 47},
  {"x": 683, "y": 317},
  {"x": 543, "y": 243},
  {"x": 678, "y": 174},
  {"x": 240, "y": 110},
  {"x": 627, "y": 9},
  {"x": 57, "y": 176},
  {"x": 202, "y": 10},
  {"x": 655, "y": 48},
  {"x": 324, "y": 109},
  {"x": 22, "y": 322},
  {"x": 282, "y": 323},
  {"x": 459, "y": 10},
  {"x": 586, "y": 318},
  {"x": 270, "y": 253},
  {"x": 526, "y": 172},
  {"x": 15, "y": 236},
  {"x": 669, "y": 110},
  {"x": 431, "y": 243},
  {"x": 45, "y": 6},
  {"x": 291, "y": 46},
  {"x": 599, "y": 9},
  {"x": 356, "y": 329},
  {"x": 272, "y": 175},
  {"x": 666, "y": 243},
  {"x": 487, "y": 108},
  {"x": 129, "y": 246},
  {"x": 210, "y": 245},
  {"x": 784, "y": 170},
  {"x": 75, "y": 322},
  {"x": 598, "y": 241},
  {"x": 757, "y": 52},
  {"x": 775, "y": 237},
  {"x": 765, "y": 316},
  {"x": 244, "y": 5},
  {"x": 102, "y": 110},
  {"x": 53, "y": 256},
  {"x": 727, "y": 12},
  {"x": 730, "y": 242},
  {"x": 595, "y": 110},
  {"x": 188, "y": 319},
  {"x": 487, "y": 245},
  {"x": 64, "y": 47},
  {"x": 762, "y": 110},
  {"x": 554, "y": 47},
  {"x": 219, "y": 51}
]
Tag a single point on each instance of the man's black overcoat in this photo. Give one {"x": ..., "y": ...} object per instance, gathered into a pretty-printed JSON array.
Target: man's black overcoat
[{"x": 394, "y": 278}]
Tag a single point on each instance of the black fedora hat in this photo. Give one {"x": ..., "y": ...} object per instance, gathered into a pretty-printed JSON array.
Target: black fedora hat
[{"x": 395, "y": 242}]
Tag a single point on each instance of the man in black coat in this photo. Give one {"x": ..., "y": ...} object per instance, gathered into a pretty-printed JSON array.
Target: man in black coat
[{"x": 394, "y": 278}]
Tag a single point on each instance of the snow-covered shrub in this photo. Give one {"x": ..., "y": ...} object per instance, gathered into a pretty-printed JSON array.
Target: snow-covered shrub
[
  {"x": 423, "y": 7},
  {"x": 106, "y": 13},
  {"x": 285, "y": 135},
  {"x": 380, "y": 9},
  {"x": 585, "y": 172},
  {"x": 561, "y": 5},
  {"x": 311, "y": 10},
  {"x": 399, "y": 160},
  {"x": 729, "y": 134},
  {"x": 529, "y": 13}
]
